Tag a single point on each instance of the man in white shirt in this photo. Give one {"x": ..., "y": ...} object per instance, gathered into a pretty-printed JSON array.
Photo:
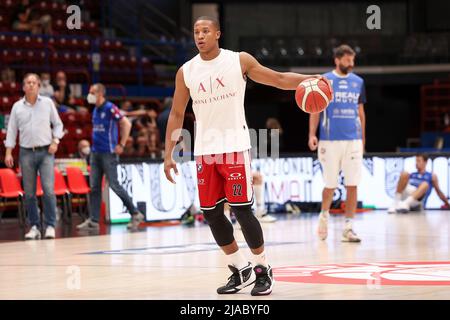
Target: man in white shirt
[{"x": 36, "y": 119}]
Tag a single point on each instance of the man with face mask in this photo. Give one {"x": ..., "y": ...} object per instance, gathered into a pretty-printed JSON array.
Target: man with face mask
[
  {"x": 104, "y": 156},
  {"x": 46, "y": 89},
  {"x": 342, "y": 139},
  {"x": 84, "y": 150}
]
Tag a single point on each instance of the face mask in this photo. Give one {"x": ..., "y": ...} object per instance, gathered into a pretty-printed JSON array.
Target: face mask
[
  {"x": 45, "y": 82},
  {"x": 91, "y": 98},
  {"x": 86, "y": 150}
]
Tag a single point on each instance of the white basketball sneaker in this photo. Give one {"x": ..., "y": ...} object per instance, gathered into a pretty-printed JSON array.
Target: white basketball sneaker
[
  {"x": 49, "y": 233},
  {"x": 33, "y": 234},
  {"x": 264, "y": 217},
  {"x": 322, "y": 229},
  {"x": 392, "y": 209},
  {"x": 350, "y": 236},
  {"x": 402, "y": 207},
  {"x": 88, "y": 224}
]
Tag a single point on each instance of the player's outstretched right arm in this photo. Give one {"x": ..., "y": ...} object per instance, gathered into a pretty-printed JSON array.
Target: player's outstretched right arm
[{"x": 175, "y": 123}]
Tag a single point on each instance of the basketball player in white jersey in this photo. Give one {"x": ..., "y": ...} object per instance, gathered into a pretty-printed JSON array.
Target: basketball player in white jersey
[{"x": 215, "y": 79}]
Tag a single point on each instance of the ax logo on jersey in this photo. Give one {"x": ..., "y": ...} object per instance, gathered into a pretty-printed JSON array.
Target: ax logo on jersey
[{"x": 212, "y": 85}]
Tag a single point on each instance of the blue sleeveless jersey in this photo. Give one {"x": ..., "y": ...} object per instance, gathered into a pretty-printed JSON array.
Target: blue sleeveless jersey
[
  {"x": 340, "y": 120},
  {"x": 416, "y": 178}
]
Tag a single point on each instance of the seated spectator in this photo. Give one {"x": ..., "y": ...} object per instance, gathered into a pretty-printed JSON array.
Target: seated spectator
[
  {"x": 127, "y": 109},
  {"x": 82, "y": 109},
  {"x": 126, "y": 106},
  {"x": 25, "y": 19},
  {"x": 84, "y": 150},
  {"x": 274, "y": 124},
  {"x": 154, "y": 145},
  {"x": 414, "y": 189},
  {"x": 8, "y": 75},
  {"x": 129, "y": 150},
  {"x": 46, "y": 89},
  {"x": 154, "y": 139},
  {"x": 142, "y": 143},
  {"x": 63, "y": 95},
  {"x": 163, "y": 117}
]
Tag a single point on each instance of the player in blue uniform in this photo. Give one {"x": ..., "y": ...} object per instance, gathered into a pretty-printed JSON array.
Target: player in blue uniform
[
  {"x": 414, "y": 189},
  {"x": 342, "y": 139},
  {"x": 105, "y": 154}
]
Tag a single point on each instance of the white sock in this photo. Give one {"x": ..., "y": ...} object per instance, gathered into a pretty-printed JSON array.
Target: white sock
[
  {"x": 348, "y": 223},
  {"x": 325, "y": 213},
  {"x": 237, "y": 260},
  {"x": 259, "y": 197},
  {"x": 260, "y": 259},
  {"x": 398, "y": 197}
]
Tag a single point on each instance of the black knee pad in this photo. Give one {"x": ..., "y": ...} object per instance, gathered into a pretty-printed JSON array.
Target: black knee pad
[
  {"x": 251, "y": 228},
  {"x": 221, "y": 227}
]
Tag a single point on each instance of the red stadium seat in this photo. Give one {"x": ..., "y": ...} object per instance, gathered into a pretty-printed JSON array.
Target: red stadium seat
[
  {"x": 29, "y": 58},
  {"x": 26, "y": 42},
  {"x": 83, "y": 118},
  {"x": 14, "y": 88},
  {"x": 80, "y": 59},
  {"x": 85, "y": 44},
  {"x": 4, "y": 21},
  {"x": 78, "y": 186},
  {"x": 18, "y": 56},
  {"x": 61, "y": 190},
  {"x": 4, "y": 41},
  {"x": 60, "y": 184},
  {"x": 76, "y": 181},
  {"x": 10, "y": 188},
  {"x": 106, "y": 45},
  {"x": 5, "y": 104},
  {"x": 39, "y": 190},
  {"x": 51, "y": 41}
]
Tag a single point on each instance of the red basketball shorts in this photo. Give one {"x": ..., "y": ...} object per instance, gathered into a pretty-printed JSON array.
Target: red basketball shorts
[{"x": 224, "y": 178}]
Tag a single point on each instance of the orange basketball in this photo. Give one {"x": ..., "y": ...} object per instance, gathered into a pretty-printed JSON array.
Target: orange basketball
[{"x": 313, "y": 95}]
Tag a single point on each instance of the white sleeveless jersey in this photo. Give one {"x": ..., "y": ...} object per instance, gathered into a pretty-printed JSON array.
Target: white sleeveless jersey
[{"x": 217, "y": 89}]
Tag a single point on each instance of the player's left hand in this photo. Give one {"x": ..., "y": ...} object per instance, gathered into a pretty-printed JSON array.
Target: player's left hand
[
  {"x": 322, "y": 77},
  {"x": 170, "y": 164},
  {"x": 53, "y": 148},
  {"x": 118, "y": 150}
]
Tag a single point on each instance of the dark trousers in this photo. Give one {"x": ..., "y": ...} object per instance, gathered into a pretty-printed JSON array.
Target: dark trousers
[{"x": 105, "y": 163}]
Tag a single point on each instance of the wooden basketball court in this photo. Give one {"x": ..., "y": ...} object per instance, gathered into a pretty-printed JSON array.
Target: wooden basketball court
[{"x": 179, "y": 262}]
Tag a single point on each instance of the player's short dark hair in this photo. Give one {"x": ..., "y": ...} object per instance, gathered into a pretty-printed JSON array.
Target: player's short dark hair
[
  {"x": 214, "y": 20},
  {"x": 342, "y": 50},
  {"x": 424, "y": 156}
]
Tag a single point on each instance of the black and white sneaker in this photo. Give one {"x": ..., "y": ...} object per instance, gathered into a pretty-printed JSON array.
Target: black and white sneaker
[
  {"x": 238, "y": 280},
  {"x": 264, "y": 281}
]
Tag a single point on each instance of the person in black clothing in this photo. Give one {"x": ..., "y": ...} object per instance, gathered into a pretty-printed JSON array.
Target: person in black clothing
[{"x": 63, "y": 94}]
